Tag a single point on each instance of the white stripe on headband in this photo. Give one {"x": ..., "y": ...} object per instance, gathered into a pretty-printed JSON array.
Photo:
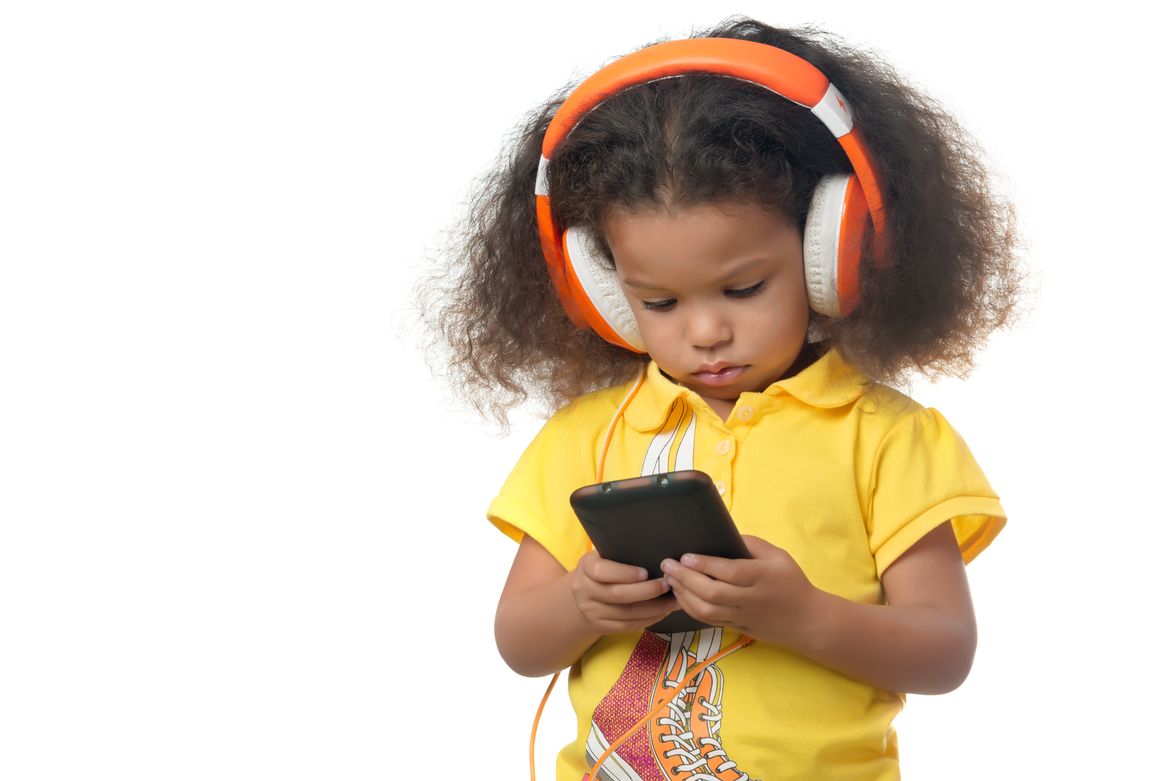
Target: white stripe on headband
[
  {"x": 542, "y": 176},
  {"x": 834, "y": 112}
]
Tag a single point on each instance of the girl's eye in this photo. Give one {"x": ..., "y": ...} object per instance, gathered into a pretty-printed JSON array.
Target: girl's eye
[
  {"x": 746, "y": 292},
  {"x": 658, "y": 306}
]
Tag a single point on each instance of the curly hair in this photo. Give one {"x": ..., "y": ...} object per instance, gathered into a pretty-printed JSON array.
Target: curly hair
[{"x": 952, "y": 276}]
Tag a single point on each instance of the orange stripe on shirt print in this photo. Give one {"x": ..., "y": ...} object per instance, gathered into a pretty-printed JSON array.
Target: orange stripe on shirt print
[
  {"x": 670, "y": 736},
  {"x": 682, "y": 451},
  {"x": 706, "y": 717},
  {"x": 657, "y": 458},
  {"x": 673, "y": 445}
]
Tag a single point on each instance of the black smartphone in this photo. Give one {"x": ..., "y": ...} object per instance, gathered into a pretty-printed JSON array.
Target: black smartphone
[{"x": 643, "y": 520}]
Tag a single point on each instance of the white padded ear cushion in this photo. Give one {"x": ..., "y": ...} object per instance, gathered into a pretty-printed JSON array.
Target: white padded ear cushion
[
  {"x": 822, "y": 232},
  {"x": 601, "y": 284}
]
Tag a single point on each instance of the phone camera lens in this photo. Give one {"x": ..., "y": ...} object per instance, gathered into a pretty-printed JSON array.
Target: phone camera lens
[
  {"x": 663, "y": 480},
  {"x": 606, "y": 488}
]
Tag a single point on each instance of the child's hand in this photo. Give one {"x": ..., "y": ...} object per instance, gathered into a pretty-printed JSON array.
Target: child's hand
[
  {"x": 766, "y": 596},
  {"x": 615, "y": 597}
]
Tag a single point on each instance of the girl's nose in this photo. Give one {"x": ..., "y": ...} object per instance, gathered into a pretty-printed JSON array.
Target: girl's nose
[{"x": 706, "y": 328}]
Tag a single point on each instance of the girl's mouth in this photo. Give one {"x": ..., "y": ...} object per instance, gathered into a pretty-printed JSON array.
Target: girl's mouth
[{"x": 724, "y": 376}]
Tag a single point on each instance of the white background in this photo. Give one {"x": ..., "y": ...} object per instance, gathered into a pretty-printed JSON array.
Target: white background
[{"x": 242, "y": 527}]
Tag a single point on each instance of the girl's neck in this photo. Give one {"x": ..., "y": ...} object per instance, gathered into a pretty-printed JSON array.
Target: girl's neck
[{"x": 809, "y": 354}]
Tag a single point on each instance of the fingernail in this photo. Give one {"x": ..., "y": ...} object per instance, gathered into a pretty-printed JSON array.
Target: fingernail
[
  {"x": 668, "y": 565},
  {"x": 642, "y": 574},
  {"x": 689, "y": 560}
]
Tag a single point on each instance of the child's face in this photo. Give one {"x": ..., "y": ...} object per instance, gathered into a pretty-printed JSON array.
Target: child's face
[{"x": 718, "y": 293}]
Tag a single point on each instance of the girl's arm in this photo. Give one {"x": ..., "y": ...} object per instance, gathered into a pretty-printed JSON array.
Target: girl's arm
[
  {"x": 547, "y": 617},
  {"x": 922, "y": 640}
]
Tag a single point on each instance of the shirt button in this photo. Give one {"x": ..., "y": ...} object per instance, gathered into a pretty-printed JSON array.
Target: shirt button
[
  {"x": 745, "y": 413},
  {"x": 720, "y": 487},
  {"x": 724, "y": 447}
]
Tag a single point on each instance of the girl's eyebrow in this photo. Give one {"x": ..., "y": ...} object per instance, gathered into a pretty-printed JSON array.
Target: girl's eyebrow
[{"x": 742, "y": 268}]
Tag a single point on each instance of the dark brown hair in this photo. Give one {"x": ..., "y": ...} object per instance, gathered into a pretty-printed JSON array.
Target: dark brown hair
[{"x": 702, "y": 138}]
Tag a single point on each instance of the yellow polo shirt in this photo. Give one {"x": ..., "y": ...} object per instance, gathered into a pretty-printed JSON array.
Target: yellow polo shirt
[{"x": 843, "y": 473}]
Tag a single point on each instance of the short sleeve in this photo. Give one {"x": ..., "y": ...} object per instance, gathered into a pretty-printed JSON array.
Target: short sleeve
[
  {"x": 534, "y": 499},
  {"x": 924, "y": 474}
]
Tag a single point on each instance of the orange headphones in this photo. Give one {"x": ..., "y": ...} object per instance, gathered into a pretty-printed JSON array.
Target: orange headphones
[{"x": 589, "y": 289}]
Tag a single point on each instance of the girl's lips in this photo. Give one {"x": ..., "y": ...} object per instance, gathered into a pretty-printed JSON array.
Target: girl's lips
[{"x": 725, "y": 376}]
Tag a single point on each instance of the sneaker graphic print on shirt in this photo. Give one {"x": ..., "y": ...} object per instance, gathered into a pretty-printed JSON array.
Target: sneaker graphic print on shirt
[{"x": 683, "y": 742}]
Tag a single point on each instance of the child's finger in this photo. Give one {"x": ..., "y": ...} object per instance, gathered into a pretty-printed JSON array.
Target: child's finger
[
  {"x": 699, "y": 586},
  {"x": 652, "y": 610},
  {"x": 607, "y": 571},
  {"x": 629, "y": 593},
  {"x": 697, "y": 607},
  {"x": 737, "y": 572}
]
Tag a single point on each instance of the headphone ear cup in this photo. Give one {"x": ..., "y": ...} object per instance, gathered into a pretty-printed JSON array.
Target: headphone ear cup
[
  {"x": 598, "y": 292},
  {"x": 833, "y": 233}
]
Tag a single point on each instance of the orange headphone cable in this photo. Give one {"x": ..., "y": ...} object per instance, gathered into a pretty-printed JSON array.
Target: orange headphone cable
[
  {"x": 614, "y": 421},
  {"x": 535, "y": 722}
]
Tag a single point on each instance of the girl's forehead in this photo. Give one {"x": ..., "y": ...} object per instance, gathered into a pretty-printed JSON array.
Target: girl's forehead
[{"x": 712, "y": 240}]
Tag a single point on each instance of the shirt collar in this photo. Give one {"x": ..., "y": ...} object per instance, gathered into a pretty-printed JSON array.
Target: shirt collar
[{"x": 830, "y": 381}]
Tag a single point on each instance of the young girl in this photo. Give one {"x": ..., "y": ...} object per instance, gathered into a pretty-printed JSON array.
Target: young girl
[{"x": 709, "y": 256}]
